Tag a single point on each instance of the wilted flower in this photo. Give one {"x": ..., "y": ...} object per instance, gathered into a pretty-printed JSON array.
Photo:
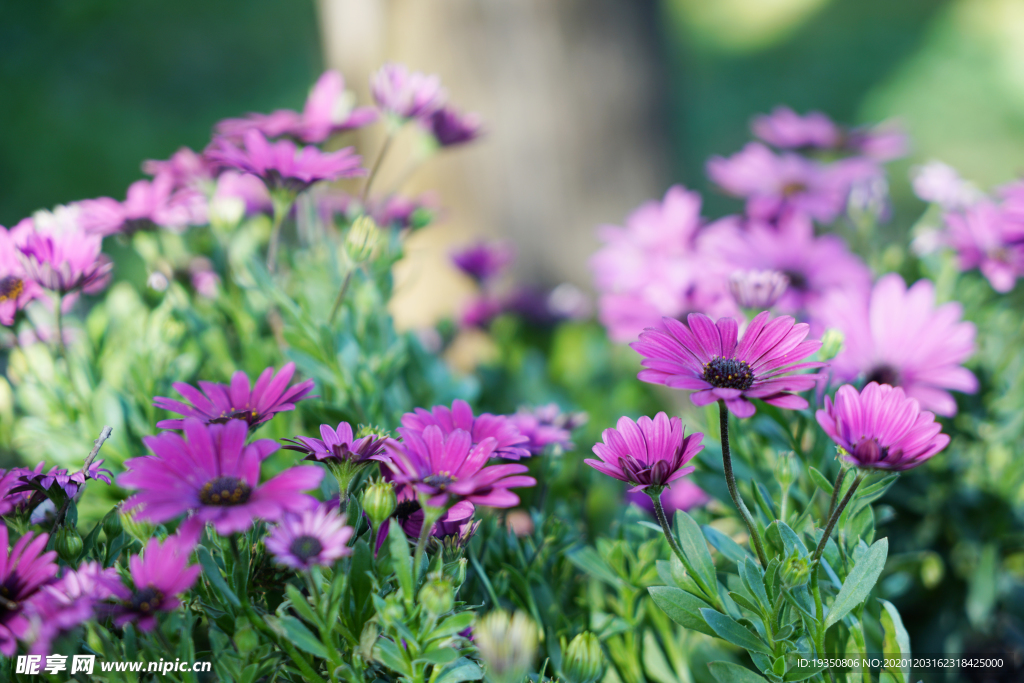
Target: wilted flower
[
  {"x": 23, "y": 571},
  {"x": 59, "y": 479},
  {"x": 786, "y": 129},
  {"x": 757, "y": 289},
  {"x": 219, "y": 403},
  {"x": 315, "y": 537},
  {"x": 214, "y": 474},
  {"x": 451, "y": 127},
  {"x": 707, "y": 359},
  {"x": 405, "y": 94},
  {"x": 59, "y": 255},
  {"x": 159, "y": 574},
  {"x": 881, "y": 428},
  {"x": 409, "y": 513},
  {"x": 484, "y": 261},
  {"x": 508, "y": 441},
  {"x": 646, "y": 452},
  {"x": 898, "y": 336},
  {"x": 507, "y": 645},
  {"x": 985, "y": 239}
]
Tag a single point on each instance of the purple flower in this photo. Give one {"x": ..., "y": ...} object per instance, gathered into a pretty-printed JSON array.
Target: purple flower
[
  {"x": 243, "y": 190},
  {"x": 897, "y": 336},
  {"x": 941, "y": 184},
  {"x": 339, "y": 445},
  {"x": 448, "y": 467},
  {"x": 786, "y": 129},
  {"x": 451, "y": 127},
  {"x": 214, "y": 474},
  {"x": 281, "y": 165},
  {"x": 481, "y": 311},
  {"x": 16, "y": 289},
  {"x": 646, "y": 452},
  {"x": 707, "y": 359},
  {"x": 23, "y": 571},
  {"x": 315, "y": 537},
  {"x": 984, "y": 238},
  {"x": 405, "y": 94},
  {"x": 409, "y": 513},
  {"x": 508, "y": 442},
  {"x": 881, "y": 428},
  {"x": 757, "y": 289},
  {"x": 59, "y": 255},
  {"x": 60, "y": 607},
  {"x": 159, "y": 575},
  {"x": 545, "y": 425},
  {"x": 219, "y": 403},
  {"x": 683, "y": 495},
  {"x": 883, "y": 142},
  {"x": 148, "y": 204},
  {"x": 484, "y": 261},
  {"x": 59, "y": 479},
  {"x": 185, "y": 168}
]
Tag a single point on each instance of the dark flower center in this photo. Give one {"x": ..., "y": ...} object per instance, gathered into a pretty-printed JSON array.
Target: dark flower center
[
  {"x": 146, "y": 600},
  {"x": 10, "y": 288},
  {"x": 250, "y": 416},
  {"x": 305, "y": 547},
  {"x": 792, "y": 188},
  {"x": 884, "y": 374},
  {"x": 797, "y": 280},
  {"x": 868, "y": 452},
  {"x": 406, "y": 509},
  {"x": 225, "y": 491},
  {"x": 440, "y": 480},
  {"x": 7, "y": 605},
  {"x": 728, "y": 373}
]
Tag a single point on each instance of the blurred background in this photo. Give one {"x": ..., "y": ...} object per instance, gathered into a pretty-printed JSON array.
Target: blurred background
[{"x": 591, "y": 106}]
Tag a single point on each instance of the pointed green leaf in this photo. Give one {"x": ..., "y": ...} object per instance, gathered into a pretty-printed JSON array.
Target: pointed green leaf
[
  {"x": 752, "y": 579},
  {"x": 299, "y": 636},
  {"x": 388, "y": 653},
  {"x": 587, "y": 559},
  {"x": 695, "y": 547},
  {"x": 896, "y": 646},
  {"x": 459, "y": 671},
  {"x": 401, "y": 560},
  {"x": 681, "y": 607},
  {"x": 727, "y": 672},
  {"x": 727, "y": 628},
  {"x": 821, "y": 481},
  {"x": 212, "y": 573},
  {"x": 301, "y": 605},
  {"x": 725, "y": 545},
  {"x": 858, "y": 584}
]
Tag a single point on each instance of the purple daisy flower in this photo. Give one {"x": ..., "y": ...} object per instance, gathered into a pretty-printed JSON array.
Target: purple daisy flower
[
  {"x": 508, "y": 442},
  {"x": 315, "y": 537},
  {"x": 881, "y": 428},
  {"x": 409, "y": 514},
  {"x": 983, "y": 238},
  {"x": 646, "y": 452},
  {"x": 709, "y": 360},
  {"x": 214, "y": 474},
  {"x": 449, "y": 467},
  {"x": 59, "y": 478},
  {"x": 185, "y": 168},
  {"x": 683, "y": 495},
  {"x": 220, "y": 403},
  {"x": 60, "y": 607},
  {"x": 898, "y": 336},
  {"x": 23, "y": 572},
  {"x": 16, "y": 289},
  {"x": 757, "y": 289},
  {"x": 59, "y": 255},
  {"x": 281, "y": 165},
  {"x": 404, "y": 94},
  {"x": 545, "y": 425},
  {"x": 484, "y": 261},
  {"x": 159, "y": 575},
  {"x": 338, "y": 445},
  {"x": 786, "y": 129},
  {"x": 451, "y": 127},
  {"x": 148, "y": 204}
]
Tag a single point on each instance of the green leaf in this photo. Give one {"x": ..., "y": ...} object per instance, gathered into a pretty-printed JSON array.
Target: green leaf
[
  {"x": 401, "y": 560},
  {"x": 821, "y": 481},
  {"x": 729, "y": 629},
  {"x": 388, "y": 653},
  {"x": 745, "y": 603},
  {"x": 656, "y": 665},
  {"x": 859, "y": 583},
  {"x": 212, "y": 573},
  {"x": 460, "y": 670},
  {"x": 727, "y": 672},
  {"x": 301, "y": 605},
  {"x": 587, "y": 559},
  {"x": 681, "y": 607},
  {"x": 798, "y": 673},
  {"x": 300, "y": 636},
  {"x": 896, "y": 645},
  {"x": 695, "y": 548},
  {"x": 439, "y": 655},
  {"x": 725, "y": 545},
  {"x": 752, "y": 579},
  {"x": 981, "y": 587},
  {"x": 452, "y": 625},
  {"x": 791, "y": 540}
]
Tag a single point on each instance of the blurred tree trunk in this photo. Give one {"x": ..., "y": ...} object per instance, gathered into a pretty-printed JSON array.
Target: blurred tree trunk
[{"x": 571, "y": 96}]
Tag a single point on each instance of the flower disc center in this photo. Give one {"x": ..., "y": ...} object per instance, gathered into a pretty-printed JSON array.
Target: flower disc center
[
  {"x": 305, "y": 547},
  {"x": 225, "y": 491},
  {"x": 146, "y": 600},
  {"x": 439, "y": 480},
  {"x": 11, "y": 287},
  {"x": 728, "y": 373},
  {"x": 406, "y": 509},
  {"x": 884, "y": 374},
  {"x": 249, "y": 416}
]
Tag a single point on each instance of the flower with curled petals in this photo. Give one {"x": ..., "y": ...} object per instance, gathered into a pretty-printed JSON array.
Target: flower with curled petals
[
  {"x": 72, "y": 600},
  {"x": 646, "y": 453},
  {"x": 709, "y": 359},
  {"x": 404, "y": 94},
  {"x": 509, "y": 443},
  {"x": 159, "y": 575}
]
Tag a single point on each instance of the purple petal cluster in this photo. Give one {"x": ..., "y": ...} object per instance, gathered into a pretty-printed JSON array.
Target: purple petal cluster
[
  {"x": 58, "y": 478},
  {"x": 409, "y": 513},
  {"x": 59, "y": 255},
  {"x": 16, "y": 288},
  {"x": 881, "y": 428},
  {"x": 315, "y": 537},
  {"x": 159, "y": 575},
  {"x": 484, "y": 261},
  {"x": 508, "y": 442},
  {"x": 149, "y": 204},
  {"x": 339, "y": 445},
  {"x": 546, "y": 425},
  {"x": 757, "y": 289},
  {"x": 647, "y": 452},
  {"x": 24, "y": 570},
  {"x": 406, "y": 94},
  {"x": 451, "y": 127},
  {"x": 73, "y": 599},
  {"x": 786, "y": 129}
]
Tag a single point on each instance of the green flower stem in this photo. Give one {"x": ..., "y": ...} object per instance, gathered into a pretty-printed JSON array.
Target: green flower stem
[
  {"x": 734, "y": 492},
  {"x": 430, "y": 516},
  {"x": 376, "y": 164},
  {"x": 835, "y": 493},
  {"x": 836, "y": 514},
  {"x": 340, "y": 298},
  {"x": 282, "y": 201},
  {"x": 58, "y": 315},
  {"x": 659, "y": 512}
]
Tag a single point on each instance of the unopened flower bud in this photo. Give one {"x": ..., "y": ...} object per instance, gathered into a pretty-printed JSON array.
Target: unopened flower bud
[
  {"x": 831, "y": 344},
  {"x": 507, "y": 645},
  {"x": 795, "y": 570},
  {"x": 437, "y": 596},
  {"x": 379, "y": 501},
  {"x": 362, "y": 239},
  {"x": 784, "y": 469},
  {"x": 583, "y": 661},
  {"x": 456, "y": 571},
  {"x": 68, "y": 544},
  {"x": 757, "y": 290},
  {"x": 112, "y": 525}
]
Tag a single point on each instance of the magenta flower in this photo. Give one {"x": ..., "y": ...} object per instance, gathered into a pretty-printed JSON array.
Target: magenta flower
[
  {"x": 646, "y": 452},
  {"x": 409, "y": 513},
  {"x": 881, "y": 428},
  {"x": 185, "y": 168},
  {"x": 23, "y": 572},
  {"x": 757, "y": 289},
  {"x": 898, "y": 336},
  {"x": 451, "y": 127},
  {"x": 449, "y": 467},
  {"x": 786, "y": 129},
  {"x": 212, "y": 473},
  {"x": 484, "y": 261},
  {"x": 882, "y": 142},
  {"x": 683, "y": 495},
  {"x": 149, "y": 204},
  {"x": 985, "y": 238},
  {"x": 58, "y": 483},
  {"x": 339, "y": 445},
  {"x": 508, "y": 442},
  {"x": 59, "y": 255},
  {"x": 242, "y": 190},
  {"x": 16, "y": 289},
  {"x": 159, "y": 575},
  {"x": 707, "y": 359},
  {"x": 219, "y": 403},
  {"x": 404, "y": 94},
  {"x": 315, "y": 537},
  {"x": 481, "y": 311},
  {"x": 281, "y": 165},
  {"x": 60, "y": 607},
  {"x": 546, "y": 425}
]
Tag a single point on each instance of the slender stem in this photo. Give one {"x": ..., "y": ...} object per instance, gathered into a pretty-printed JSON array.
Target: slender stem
[
  {"x": 730, "y": 480},
  {"x": 659, "y": 512},
  {"x": 376, "y": 166},
  {"x": 282, "y": 205},
  {"x": 835, "y": 493},
  {"x": 96, "y": 445},
  {"x": 430, "y": 515},
  {"x": 62, "y": 350},
  {"x": 835, "y": 518},
  {"x": 340, "y": 298}
]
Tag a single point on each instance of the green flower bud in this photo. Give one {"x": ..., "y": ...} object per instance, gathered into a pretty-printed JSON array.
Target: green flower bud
[
  {"x": 507, "y": 645},
  {"x": 367, "y": 639},
  {"x": 583, "y": 661},
  {"x": 795, "y": 570},
  {"x": 831, "y": 344},
  {"x": 437, "y": 596},
  {"x": 362, "y": 239},
  {"x": 68, "y": 543},
  {"x": 112, "y": 525},
  {"x": 456, "y": 571},
  {"x": 785, "y": 469},
  {"x": 246, "y": 639},
  {"x": 379, "y": 501},
  {"x": 139, "y": 530}
]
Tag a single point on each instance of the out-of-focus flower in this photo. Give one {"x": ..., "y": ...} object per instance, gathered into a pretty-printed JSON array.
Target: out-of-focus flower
[
  {"x": 159, "y": 575},
  {"x": 148, "y": 204},
  {"x": 983, "y": 238},
  {"x": 404, "y": 94},
  {"x": 185, "y": 168},
  {"x": 646, "y": 452},
  {"x": 213, "y": 473},
  {"x": 449, "y": 467},
  {"x": 238, "y": 194},
  {"x": 23, "y": 571},
  {"x": 898, "y": 336},
  {"x": 786, "y": 129},
  {"x": 941, "y": 184},
  {"x": 682, "y": 494},
  {"x": 16, "y": 289},
  {"x": 758, "y": 289},
  {"x": 72, "y": 600},
  {"x": 59, "y": 255},
  {"x": 204, "y": 280},
  {"x": 281, "y": 165},
  {"x": 546, "y": 425},
  {"x": 507, "y": 645},
  {"x": 707, "y": 359},
  {"x": 584, "y": 659},
  {"x": 310, "y": 538},
  {"x": 219, "y": 403},
  {"x": 451, "y": 127},
  {"x": 508, "y": 441},
  {"x": 881, "y": 428},
  {"x": 882, "y": 142},
  {"x": 484, "y": 261}
]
